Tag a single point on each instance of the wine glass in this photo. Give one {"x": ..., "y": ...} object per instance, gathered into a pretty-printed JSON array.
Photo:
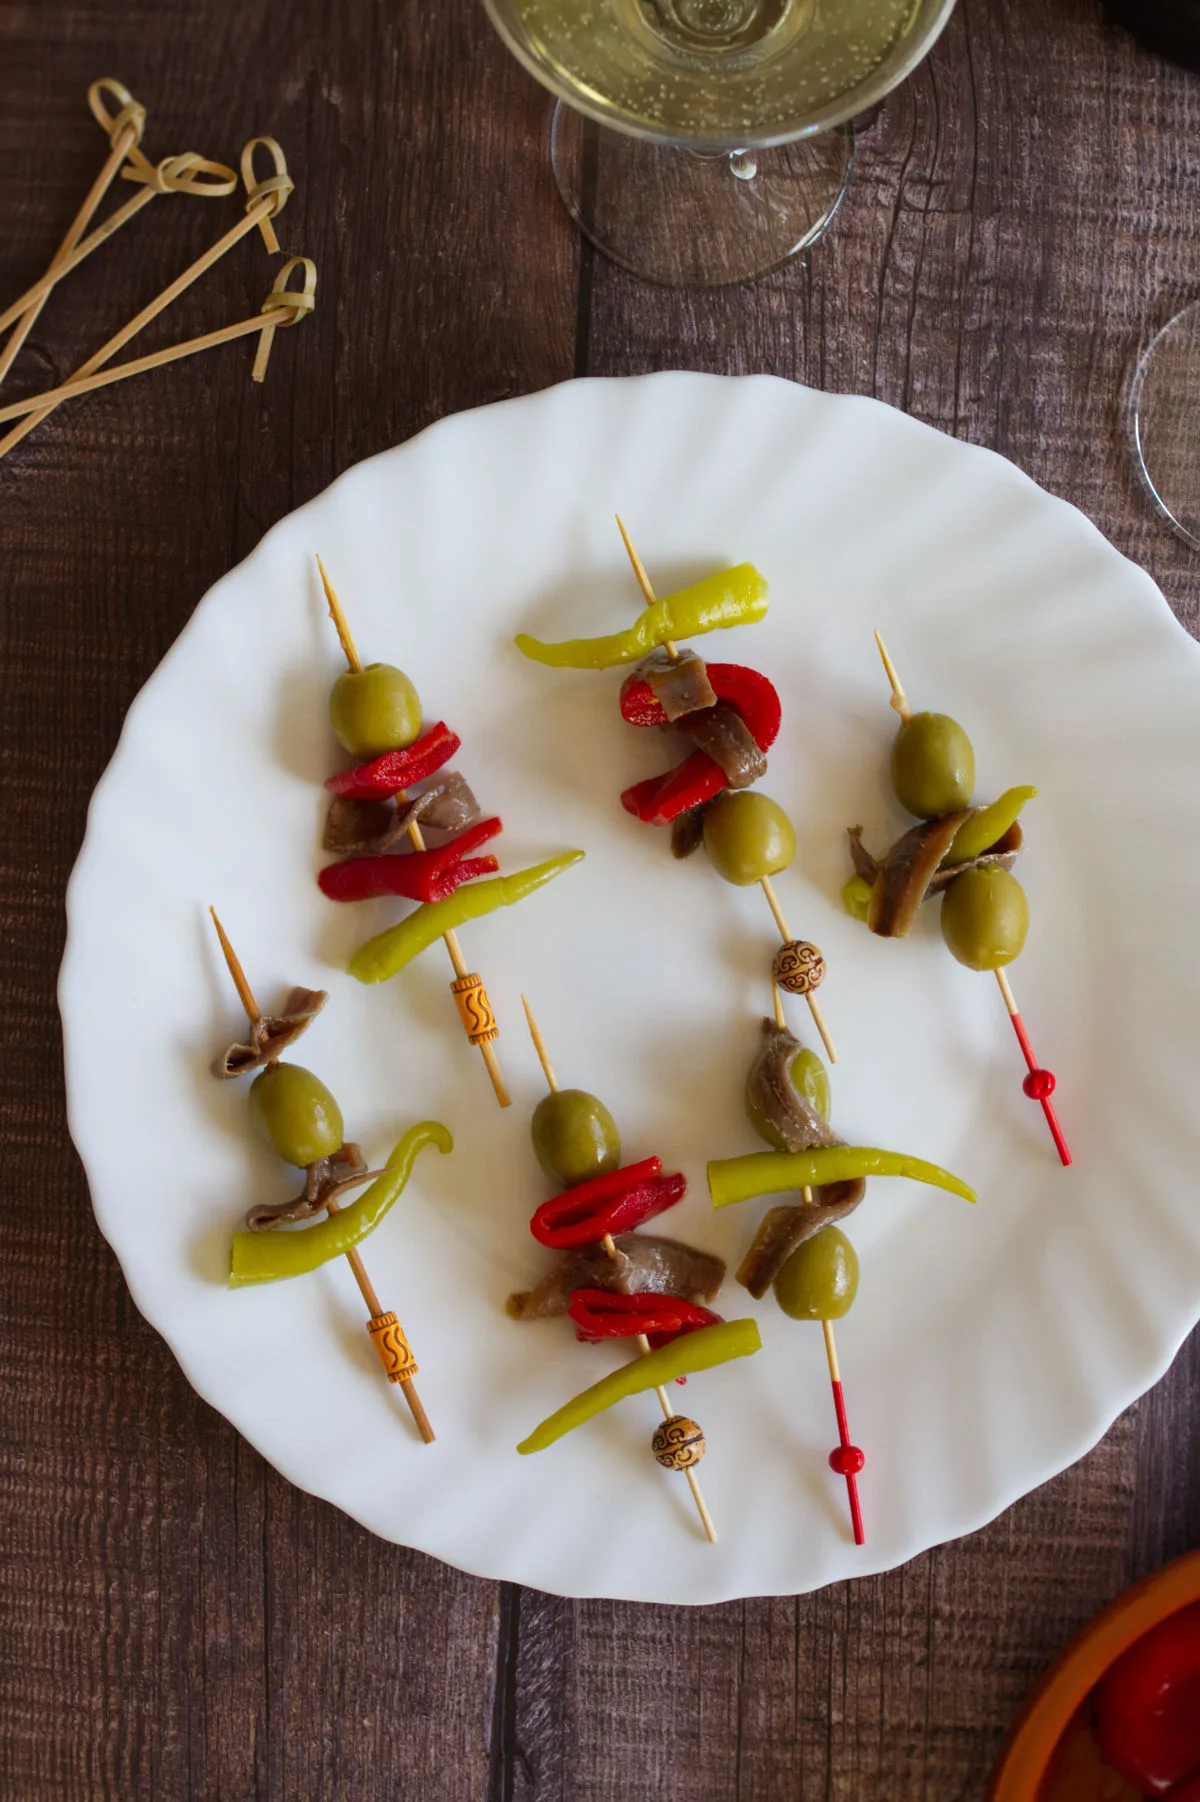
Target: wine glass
[
  {"x": 1161, "y": 415},
  {"x": 1160, "y": 405},
  {"x": 700, "y": 142}
]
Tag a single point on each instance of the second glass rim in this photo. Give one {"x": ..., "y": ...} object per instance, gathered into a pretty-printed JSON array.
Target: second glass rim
[{"x": 847, "y": 107}]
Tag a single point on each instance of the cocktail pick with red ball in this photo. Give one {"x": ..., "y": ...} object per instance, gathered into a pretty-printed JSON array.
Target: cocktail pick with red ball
[
  {"x": 1039, "y": 1083},
  {"x": 846, "y": 1458}
]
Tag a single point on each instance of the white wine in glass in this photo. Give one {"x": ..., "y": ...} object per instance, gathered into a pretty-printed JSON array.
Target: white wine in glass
[{"x": 707, "y": 141}]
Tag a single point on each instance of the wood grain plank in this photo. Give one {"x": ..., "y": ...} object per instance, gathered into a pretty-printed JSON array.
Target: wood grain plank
[
  {"x": 901, "y": 1685},
  {"x": 535, "y": 1746}
]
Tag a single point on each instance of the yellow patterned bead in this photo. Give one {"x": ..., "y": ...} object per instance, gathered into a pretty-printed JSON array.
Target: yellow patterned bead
[
  {"x": 395, "y": 1353},
  {"x": 798, "y": 967},
  {"x": 678, "y": 1443},
  {"x": 474, "y": 1009}
]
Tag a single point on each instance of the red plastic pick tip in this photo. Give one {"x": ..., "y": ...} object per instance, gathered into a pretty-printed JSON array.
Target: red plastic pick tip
[
  {"x": 1039, "y": 1085},
  {"x": 847, "y": 1460}
]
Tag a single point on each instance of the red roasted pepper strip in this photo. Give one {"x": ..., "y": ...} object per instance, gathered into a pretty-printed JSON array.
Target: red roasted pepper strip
[
  {"x": 660, "y": 799},
  {"x": 642, "y": 1203},
  {"x": 576, "y": 1205},
  {"x": 367, "y": 878},
  {"x": 603, "y": 1314},
  {"x": 417, "y": 875},
  {"x": 614, "y": 1203},
  {"x": 1148, "y": 1707},
  {"x": 755, "y": 698},
  {"x": 396, "y": 770}
]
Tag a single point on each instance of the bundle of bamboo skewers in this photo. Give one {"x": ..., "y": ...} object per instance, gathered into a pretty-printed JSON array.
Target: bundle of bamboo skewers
[{"x": 183, "y": 173}]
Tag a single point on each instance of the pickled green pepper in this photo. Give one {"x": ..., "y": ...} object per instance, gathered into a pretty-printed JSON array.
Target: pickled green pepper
[
  {"x": 269, "y": 1257},
  {"x": 734, "y": 597},
  {"x": 774, "y": 1172},
  {"x": 701, "y": 1350},
  {"x": 389, "y": 951},
  {"x": 986, "y": 828},
  {"x": 856, "y": 898}
]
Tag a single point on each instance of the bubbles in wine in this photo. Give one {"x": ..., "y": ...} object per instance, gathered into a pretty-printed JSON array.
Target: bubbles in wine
[{"x": 710, "y": 69}]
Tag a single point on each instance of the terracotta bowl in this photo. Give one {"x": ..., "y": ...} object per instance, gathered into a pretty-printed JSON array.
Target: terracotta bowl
[{"x": 1051, "y": 1756}]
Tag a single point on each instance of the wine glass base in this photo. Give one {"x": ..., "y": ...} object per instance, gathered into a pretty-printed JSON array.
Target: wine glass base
[
  {"x": 1161, "y": 419},
  {"x": 697, "y": 219}
]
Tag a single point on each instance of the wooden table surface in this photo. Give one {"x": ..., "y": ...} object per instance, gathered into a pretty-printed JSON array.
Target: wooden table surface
[{"x": 176, "y": 1622}]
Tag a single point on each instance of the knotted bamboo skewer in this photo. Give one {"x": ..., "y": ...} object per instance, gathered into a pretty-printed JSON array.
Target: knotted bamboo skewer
[
  {"x": 265, "y": 199},
  {"x": 669, "y": 1414},
  {"x": 387, "y": 1336},
  {"x": 283, "y": 306},
  {"x": 1039, "y": 1083},
  {"x": 125, "y": 132},
  {"x": 798, "y": 965},
  {"x": 184, "y": 173},
  {"x": 466, "y": 982},
  {"x": 846, "y": 1459}
]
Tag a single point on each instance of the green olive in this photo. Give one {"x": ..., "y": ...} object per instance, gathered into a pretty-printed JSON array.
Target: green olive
[
  {"x": 985, "y": 917},
  {"x": 748, "y": 836},
  {"x": 575, "y": 1137},
  {"x": 374, "y": 710},
  {"x": 296, "y": 1112},
  {"x": 810, "y": 1079},
  {"x": 933, "y": 766},
  {"x": 820, "y": 1279}
]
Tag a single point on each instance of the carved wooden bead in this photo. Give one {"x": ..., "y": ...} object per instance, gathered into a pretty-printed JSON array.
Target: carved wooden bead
[
  {"x": 475, "y": 1010},
  {"x": 678, "y": 1443},
  {"x": 798, "y": 967},
  {"x": 395, "y": 1353}
]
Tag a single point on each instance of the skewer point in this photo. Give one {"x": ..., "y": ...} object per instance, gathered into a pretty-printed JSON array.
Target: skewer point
[
  {"x": 899, "y": 700},
  {"x": 340, "y": 623},
  {"x": 643, "y": 582},
  {"x": 539, "y": 1045},
  {"x": 639, "y": 568},
  {"x": 233, "y": 962}
]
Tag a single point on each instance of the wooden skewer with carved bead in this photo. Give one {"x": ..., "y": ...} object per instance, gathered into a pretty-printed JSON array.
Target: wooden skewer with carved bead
[
  {"x": 732, "y": 715},
  {"x": 393, "y": 696},
  {"x": 846, "y": 1459},
  {"x": 798, "y": 966},
  {"x": 304, "y": 1124},
  {"x": 799, "y": 1251},
  {"x": 984, "y": 913},
  {"x": 678, "y": 1443}
]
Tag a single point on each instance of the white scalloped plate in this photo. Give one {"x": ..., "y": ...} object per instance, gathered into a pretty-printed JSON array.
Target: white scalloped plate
[{"x": 989, "y": 1346}]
